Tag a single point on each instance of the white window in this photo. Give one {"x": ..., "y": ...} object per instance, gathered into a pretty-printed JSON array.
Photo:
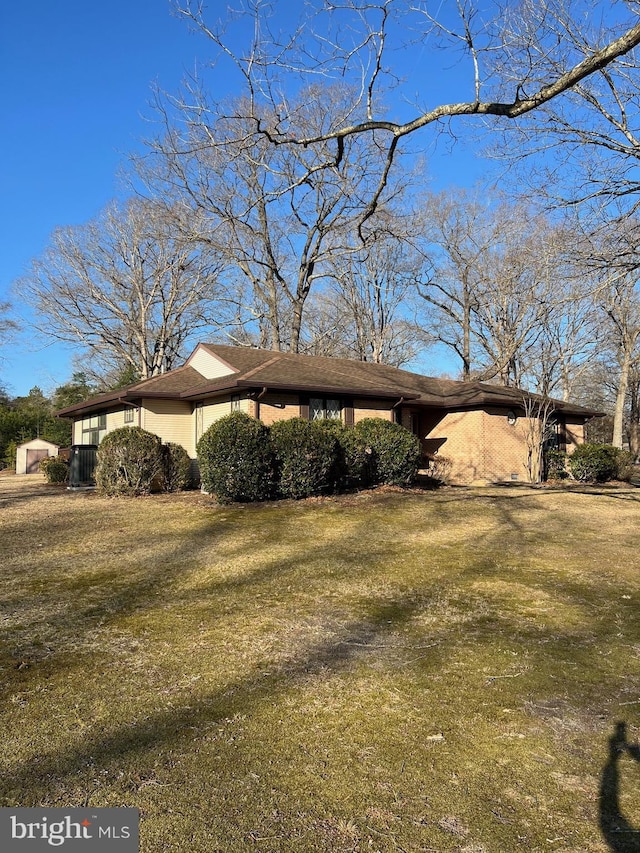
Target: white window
[
  {"x": 94, "y": 429},
  {"x": 129, "y": 415},
  {"x": 199, "y": 421},
  {"x": 236, "y": 403}
]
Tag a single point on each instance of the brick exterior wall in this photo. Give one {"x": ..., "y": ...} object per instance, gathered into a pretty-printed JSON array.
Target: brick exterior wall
[
  {"x": 481, "y": 445},
  {"x": 505, "y": 449},
  {"x": 459, "y": 437},
  {"x": 372, "y": 409},
  {"x": 280, "y": 408},
  {"x": 574, "y": 434}
]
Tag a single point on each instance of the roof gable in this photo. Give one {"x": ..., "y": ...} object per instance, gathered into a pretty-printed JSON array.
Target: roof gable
[{"x": 208, "y": 364}]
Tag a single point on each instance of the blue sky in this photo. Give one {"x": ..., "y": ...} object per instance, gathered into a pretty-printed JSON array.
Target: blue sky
[{"x": 76, "y": 84}]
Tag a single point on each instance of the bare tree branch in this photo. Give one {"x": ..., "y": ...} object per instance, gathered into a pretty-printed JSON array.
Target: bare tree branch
[{"x": 126, "y": 286}]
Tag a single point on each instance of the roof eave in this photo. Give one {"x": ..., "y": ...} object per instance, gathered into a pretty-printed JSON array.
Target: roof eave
[
  {"x": 95, "y": 404},
  {"x": 297, "y": 388}
]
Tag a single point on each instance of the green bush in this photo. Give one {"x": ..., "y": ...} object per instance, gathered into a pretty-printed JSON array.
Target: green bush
[
  {"x": 556, "y": 465},
  {"x": 176, "y": 468},
  {"x": 395, "y": 451},
  {"x": 236, "y": 459},
  {"x": 625, "y": 463},
  {"x": 594, "y": 462},
  {"x": 55, "y": 470},
  {"x": 307, "y": 458},
  {"x": 129, "y": 459},
  {"x": 353, "y": 464}
]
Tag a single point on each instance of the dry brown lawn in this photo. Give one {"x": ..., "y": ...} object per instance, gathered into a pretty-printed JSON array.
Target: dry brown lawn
[{"x": 389, "y": 671}]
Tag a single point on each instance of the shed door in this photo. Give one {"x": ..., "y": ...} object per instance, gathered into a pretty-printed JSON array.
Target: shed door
[{"x": 33, "y": 460}]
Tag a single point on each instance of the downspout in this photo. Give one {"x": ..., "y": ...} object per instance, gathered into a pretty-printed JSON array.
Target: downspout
[
  {"x": 257, "y": 402},
  {"x": 395, "y": 408}
]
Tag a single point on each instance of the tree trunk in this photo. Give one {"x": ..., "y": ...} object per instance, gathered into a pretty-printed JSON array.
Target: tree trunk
[
  {"x": 621, "y": 397},
  {"x": 634, "y": 423}
]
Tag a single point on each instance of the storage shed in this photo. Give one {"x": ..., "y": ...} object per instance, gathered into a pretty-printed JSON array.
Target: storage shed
[{"x": 30, "y": 454}]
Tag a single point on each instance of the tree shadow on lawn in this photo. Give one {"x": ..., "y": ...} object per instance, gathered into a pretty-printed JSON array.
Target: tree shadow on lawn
[
  {"x": 17, "y": 492},
  {"x": 56, "y": 622},
  {"x": 509, "y": 492},
  {"x": 166, "y": 727},
  {"x": 619, "y": 834}
]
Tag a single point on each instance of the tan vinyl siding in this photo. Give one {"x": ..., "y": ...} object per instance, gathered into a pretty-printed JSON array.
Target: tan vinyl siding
[
  {"x": 205, "y": 414},
  {"x": 208, "y": 365},
  {"x": 212, "y": 412},
  {"x": 172, "y": 420},
  {"x": 115, "y": 420}
]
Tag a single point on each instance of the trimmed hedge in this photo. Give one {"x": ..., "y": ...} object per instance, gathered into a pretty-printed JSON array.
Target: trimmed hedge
[
  {"x": 55, "y": 470},
  {"x": 236, "y": 459},
  {"x": 556, "y": 465},
  {"x": 176, "y": 468},
  {"x": 626, "y": 467},
  {"x": 307, "y": 458},
  {"x": 353, "y": 464},
  {"x": 395, "y": 451},
  {"x": 129, "y": 459},
  {"x": 599, "y": 463}
]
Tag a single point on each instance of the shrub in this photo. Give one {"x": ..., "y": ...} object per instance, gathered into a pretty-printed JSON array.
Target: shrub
[
  {"x": 395, "y": 451},
  {"x": 236, "y": 459},
  {"x": 353, "y": 464},
  {"x": 556, "y": 465},
  {"x": 176, "y": 468},
  {"x": 55, "y": 470},
  {"x": 625, "y": 465},
  {"x": 594, "y": 462},
  {"x": 129, "y": 459},
  {"x": 440, "y": 468},
  {"x": 307, "y": 457}
]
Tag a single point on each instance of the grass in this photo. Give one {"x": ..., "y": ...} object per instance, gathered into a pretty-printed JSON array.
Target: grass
[{"x": 379, "y": 672}]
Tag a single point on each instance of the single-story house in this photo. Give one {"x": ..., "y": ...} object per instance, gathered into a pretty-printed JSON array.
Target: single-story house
[
  {"x": 480, "y": 428},
  {"x": 31, "y": 453}
]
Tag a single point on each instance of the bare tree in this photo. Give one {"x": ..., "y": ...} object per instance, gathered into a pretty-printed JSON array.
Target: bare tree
[
  {"x": 593, "y": 131},
  {"x": 491, "y": 282},
  {"x": 634, "y": 408},
  {"x": 351, "y": 41},
  {"x": 7, "y": 324},
  {"x": 454, "y": 245},
  {"x": 368, "y": 302},
  {"x": 568, "y": 340},
  {"x": 7, "y": 327},
  {"x": 275, "y": 215},
  {"x": 607, "y": 259},
  {"x": 538, "y": 412},
  {"x": 123, "y": 287},
  {"x": 619, "y": 301}
]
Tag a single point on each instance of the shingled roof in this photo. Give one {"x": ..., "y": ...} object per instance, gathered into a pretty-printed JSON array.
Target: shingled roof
[{"x": 282, "y": 371}]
